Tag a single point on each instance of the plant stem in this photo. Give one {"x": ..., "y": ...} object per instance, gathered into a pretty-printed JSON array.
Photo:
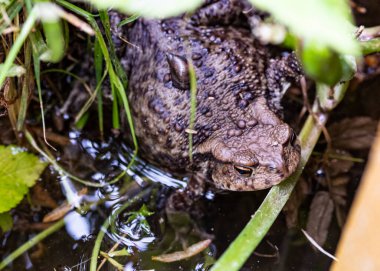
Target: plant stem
[
  {"x": 32, "y": 242},
  {"x": 107, "y": 223},
  {"x": 370, "y": 46}
]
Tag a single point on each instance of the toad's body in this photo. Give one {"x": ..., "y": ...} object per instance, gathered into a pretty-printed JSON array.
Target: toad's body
[{"x": 239, "y": 142}]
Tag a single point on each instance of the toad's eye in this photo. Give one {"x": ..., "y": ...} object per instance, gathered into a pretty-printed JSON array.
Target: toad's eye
[
  {"x": 179, "y": 71},
  {"x": 244, "y": 171}
]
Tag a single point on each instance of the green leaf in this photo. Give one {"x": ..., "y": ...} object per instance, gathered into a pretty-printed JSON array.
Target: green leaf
[
  {"x": 140, "y": 218},
  {"x": 128, "y": 20},
  {"x": 19, "y": 170},
  {"x": 6, "y": 222},
  {"x": 324, "y": 22},
  {"x": 150, "y": 8},
  {"x": 119, "y": 253},
  {"x": 142, "y": 213},
  {"x": 321, "y": 63}
]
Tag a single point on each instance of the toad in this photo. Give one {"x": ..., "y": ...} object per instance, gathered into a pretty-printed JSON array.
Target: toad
[{"x": 239, "y": 139}]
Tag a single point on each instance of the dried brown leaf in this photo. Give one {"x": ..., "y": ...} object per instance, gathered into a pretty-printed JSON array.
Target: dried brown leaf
[
  {"x": 294, "y": 202},
  {"x": 181, "y": 255},
  {"x": 353, "y": 133},
  {"x": 320, "y": 215}
]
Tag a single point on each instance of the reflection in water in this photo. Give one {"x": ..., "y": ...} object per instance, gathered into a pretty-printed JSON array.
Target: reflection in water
[
  {"x": 129, "y": 229},
  {"x": 77, "y": 226}
]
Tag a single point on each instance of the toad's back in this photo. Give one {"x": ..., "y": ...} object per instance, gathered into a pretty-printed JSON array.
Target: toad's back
[{"x": 238, "y": 92}]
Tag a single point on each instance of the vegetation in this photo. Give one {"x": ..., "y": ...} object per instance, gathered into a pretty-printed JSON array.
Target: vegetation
[{"x": 320, "y": 31}]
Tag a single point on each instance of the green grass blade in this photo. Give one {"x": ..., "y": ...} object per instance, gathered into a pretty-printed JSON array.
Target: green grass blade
[
  {"x": 193, "y": 107},
  {"x": 98, "y": 61},
  {"x": 12, "y": 10},
  {"x": 25, "y": 87},
  {"x": 115, "y": 108},
  {"x": 37, "y": 74},
  {"x": 92, "y": 98},
  {"x": 114, "y": 59},
  {"x": 114, "y": 79},
  {"x": 54, "y": 39},
  {"x": 128, "y": 20},
  {"x": 15, "y": 49}
]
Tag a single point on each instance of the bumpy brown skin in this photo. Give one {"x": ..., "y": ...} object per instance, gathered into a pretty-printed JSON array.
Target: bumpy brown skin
[{"x": 240, "y": 141}]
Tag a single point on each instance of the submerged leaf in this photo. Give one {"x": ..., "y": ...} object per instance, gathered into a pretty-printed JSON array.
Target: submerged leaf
[
  {"x": 19, "y": 170},
  {"x": 181, "y": 255}
]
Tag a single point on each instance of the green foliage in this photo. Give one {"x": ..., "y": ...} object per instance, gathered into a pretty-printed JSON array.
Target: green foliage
[
  {"x": 141, "y": 216},
  {"x": 119, "y": 253},
  {"x": 19, "y": 170},
  {"x": 128, "y": 20},
  {"x": 321, "y": 63},
  {"x": 150, "y": 8},
  {"x": 323, "y": 22},
  {"x": 6, "y": 221}
]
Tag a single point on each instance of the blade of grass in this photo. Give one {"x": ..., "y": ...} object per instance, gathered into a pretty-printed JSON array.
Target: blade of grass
[
  {"x": 249, "y": 238},
  {"x": 128, "y": 20},
  {"x": 193, "y": 106},
  {"x": 52, "y": 161},
  {"x": 54, "y": 38},
  {"x": 49, "y": 14},
  {"x": 25, "y": 87},
  {"x": 32, "y": 242},
  {"x": 12, "y": 10},
  {"x": 15, "y": 49},
  {"x": 82, "y": 121},
  {"x": 114, "y": 79},
  {"x": 92, "y": 98},
  {"x": 115, "y": 108},
  {"x": 98, "y": 61},
  {"x": 37, "y": 75}
]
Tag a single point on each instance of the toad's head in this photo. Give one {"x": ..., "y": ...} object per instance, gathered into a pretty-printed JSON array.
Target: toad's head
[{"x": 259, "y": 157}]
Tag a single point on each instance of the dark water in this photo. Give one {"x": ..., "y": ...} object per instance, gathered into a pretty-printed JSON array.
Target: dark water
[{"x": 223, "y": 217}]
